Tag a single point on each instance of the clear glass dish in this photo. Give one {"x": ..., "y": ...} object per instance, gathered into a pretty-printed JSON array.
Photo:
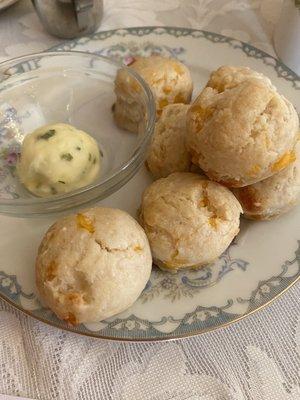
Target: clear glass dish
[{"x": 75, "y": 88}]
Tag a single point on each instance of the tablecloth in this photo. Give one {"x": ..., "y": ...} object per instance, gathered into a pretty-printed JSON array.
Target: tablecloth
[{"x": 257, "y": 358}]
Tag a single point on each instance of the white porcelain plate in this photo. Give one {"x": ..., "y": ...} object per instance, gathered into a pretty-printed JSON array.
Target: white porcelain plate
[{"x": 262, "y": 262}]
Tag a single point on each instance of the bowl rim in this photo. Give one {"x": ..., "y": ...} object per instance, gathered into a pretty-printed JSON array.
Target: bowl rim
[{"x": 135, "y": 155}]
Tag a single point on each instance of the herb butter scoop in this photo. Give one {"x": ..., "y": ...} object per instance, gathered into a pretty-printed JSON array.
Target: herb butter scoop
[{"x": 57, "y": 159}]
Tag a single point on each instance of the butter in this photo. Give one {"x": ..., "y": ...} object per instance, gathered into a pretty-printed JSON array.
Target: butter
[{"x": 57, "y": 159}]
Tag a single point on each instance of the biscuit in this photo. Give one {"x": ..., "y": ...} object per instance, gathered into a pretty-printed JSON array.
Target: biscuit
[
  {"x": 92, "y": 265},
  {"x": 242, "y": 135},
  {"x": 168, "y": 152},
  {"x": 169, "y": 80},
  {"x": 189, "y": 220},
  {"x": 228, "y": 77},
  {"x": 273, "y": 196}
]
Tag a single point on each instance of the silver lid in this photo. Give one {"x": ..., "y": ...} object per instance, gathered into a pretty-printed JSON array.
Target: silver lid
[
  {"x": 69, "y": 18},
  {"x": 83, "y": 9}
]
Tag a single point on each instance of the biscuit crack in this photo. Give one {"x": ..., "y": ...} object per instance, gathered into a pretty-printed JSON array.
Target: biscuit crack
[{"x": 103, "y": 246}]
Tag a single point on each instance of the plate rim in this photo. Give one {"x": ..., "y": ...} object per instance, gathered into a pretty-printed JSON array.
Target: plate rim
[
  {"x": 183, "y": 32},
  {"x": 180, "y": 31},
  {"x": 90, "y": 334}
]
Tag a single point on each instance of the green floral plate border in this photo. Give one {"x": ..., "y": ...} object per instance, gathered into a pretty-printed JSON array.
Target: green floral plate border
[{"x": 282, "y": 70}]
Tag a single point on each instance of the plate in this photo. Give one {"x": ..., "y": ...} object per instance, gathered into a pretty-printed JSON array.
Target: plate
[
  {"x": 262, "y": 262},
  {"x": 6, "y": 3}
]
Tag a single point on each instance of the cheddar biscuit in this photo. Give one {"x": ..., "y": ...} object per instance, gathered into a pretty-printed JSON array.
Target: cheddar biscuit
[
  {"x": 242, "y": 135},
  {"x": 169, "y": 80},
  {"x": 168, "y": 151},
  {"x": 92, "y": 265},
  {"x": 188, "y": 220}
]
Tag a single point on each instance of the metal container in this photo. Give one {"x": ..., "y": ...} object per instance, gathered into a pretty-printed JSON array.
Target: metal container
[
  {"x": 69, "y": 18},
  {"x": 287, "y": 35}
]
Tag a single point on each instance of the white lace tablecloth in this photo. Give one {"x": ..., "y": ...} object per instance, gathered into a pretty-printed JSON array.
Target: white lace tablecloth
[{"x": 257, "y": 358}]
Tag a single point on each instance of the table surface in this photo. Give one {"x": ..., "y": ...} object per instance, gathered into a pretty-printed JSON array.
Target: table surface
[{"x": 257, "y": 358}]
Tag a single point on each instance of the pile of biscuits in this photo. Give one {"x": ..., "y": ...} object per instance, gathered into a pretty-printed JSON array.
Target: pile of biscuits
[{"x": 233, "y": 150}]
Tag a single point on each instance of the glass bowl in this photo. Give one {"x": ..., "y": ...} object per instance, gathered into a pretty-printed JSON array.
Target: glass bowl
[{"x": 75, "y": 88}]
